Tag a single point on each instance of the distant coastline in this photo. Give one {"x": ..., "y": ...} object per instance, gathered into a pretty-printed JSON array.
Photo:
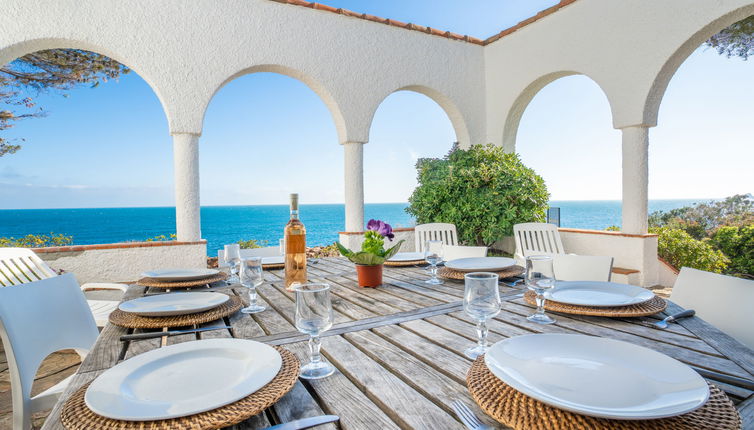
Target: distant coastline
[{"x": 226, "y": 224}]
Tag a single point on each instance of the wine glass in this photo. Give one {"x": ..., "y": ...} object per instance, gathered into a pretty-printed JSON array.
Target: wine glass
[
  {"x": 539, "y": 278},
  {"x": 481, "y": 301},
  {"x": 314, "y": 316},
  {"x": 251, "y": 275},
  {"x": 232, "y": 256},
  {"x": 433, "y": 256}
]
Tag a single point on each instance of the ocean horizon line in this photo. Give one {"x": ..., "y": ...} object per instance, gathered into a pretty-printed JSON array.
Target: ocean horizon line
[{"x": 697, "y": 199}]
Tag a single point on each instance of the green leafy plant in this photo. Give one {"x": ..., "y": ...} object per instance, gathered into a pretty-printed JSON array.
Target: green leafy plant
[
  {"x": 484, "y": 191},
  {"x": 701, "y": 220},
  {"x": 36, "y": 241},
  {"x": 738, "y": 244},
  {"x": 252, "y": 243},
  {"x": 373, "y": 250},
  {"x": 726, "y": 226},
  {"x": 161, "y": 238},
  {"x": 681, "y": 250}
]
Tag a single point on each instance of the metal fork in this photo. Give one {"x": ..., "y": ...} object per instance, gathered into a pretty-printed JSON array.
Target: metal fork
[{"x": 467, "y": 417}]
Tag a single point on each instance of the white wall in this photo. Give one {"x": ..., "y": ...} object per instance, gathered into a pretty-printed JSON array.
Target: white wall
[
  {"x": 630, "y": 48},
  {"x": 123, "y": 262},
  {"x": 637, "y": 252},
  {"x": 187, "y": 50}
]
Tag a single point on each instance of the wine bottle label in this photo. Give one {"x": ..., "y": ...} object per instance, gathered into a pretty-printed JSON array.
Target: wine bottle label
[{"x": 295, "y": 243}]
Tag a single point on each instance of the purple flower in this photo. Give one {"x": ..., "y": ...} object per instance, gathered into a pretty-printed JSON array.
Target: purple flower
[{"x": 381, "y": 227}]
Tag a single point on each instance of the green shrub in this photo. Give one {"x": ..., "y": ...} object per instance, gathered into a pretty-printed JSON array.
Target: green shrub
[
  {"x": 701, "y": 220},
  {"x": 161, "y": 238},
  {"x": 484, "y": 191},
  {"x": 36, "y": 241},
  {"x": 253, "y": 243},
  {"x": 738, "y": 244},
  {"x": 681, "y": 250}
]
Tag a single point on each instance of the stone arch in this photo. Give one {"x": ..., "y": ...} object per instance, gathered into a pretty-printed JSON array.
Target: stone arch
[
  {"x": 668, "y": 70},
  {"x": 516, "y": 111},
  {"x": 446, "y": 103},
  {"x": 324, "y": 94},
  {"x": 12, "y": 52}
]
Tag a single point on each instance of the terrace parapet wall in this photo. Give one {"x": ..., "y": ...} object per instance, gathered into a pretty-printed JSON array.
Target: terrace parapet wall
[{"x": 123, "y": 262}]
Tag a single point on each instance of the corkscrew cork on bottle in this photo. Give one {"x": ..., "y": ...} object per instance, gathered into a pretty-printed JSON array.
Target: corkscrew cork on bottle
[{"x": 295, "y": 248}]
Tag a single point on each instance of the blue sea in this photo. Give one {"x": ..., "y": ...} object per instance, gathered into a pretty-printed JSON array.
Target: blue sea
[{"x": 228, "y": 224}]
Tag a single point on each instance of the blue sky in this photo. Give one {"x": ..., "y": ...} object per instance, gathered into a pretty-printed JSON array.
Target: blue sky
[{"x": 266, "y": 135}]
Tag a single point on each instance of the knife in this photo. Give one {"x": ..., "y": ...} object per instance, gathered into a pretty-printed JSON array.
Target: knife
[
  {"x": 305, "y": 423},
  {"x": 153, "y": 335}
]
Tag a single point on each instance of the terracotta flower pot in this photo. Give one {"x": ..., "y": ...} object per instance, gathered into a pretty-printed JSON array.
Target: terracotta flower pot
[{"x": 369, "y": 276}]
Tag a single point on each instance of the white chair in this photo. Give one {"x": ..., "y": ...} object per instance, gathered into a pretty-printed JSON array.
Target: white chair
[
  {"x": 452, "y": 252},
  {"x": 36, "y": 319},
  {"x": 582, "y": 267},
  {"x": 22, "y": 265},
  {"x": 434, "y": 231},
  {"x": 723, "y": 301},
  {"x": 537, "y": 238},
  {"x": 268, "y": 251}
]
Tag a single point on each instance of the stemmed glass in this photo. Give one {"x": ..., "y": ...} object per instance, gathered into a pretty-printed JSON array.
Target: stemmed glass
[
  {"x": 481, "y": 301},
  {"x": 314, "y": 316},
  {"x": 433, "y": 256},
  {"x": 539, "y": 278},
  {"x": 251, "y": 274},
  {"x": 232, "y": 256}
]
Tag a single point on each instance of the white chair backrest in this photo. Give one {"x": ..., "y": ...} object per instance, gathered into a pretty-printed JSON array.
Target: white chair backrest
[
  {"x": 22, "y": 265},
  {"x": 434, "y": 231},
  {"x": 452, "y": 252},
  {"x": 537, "y": 238},
  {"x": 37, "y": 319},
  {"x": 582, "y": 267},
  {"x": 723, "y": 301},
  {"x": 268, "y": 251}
]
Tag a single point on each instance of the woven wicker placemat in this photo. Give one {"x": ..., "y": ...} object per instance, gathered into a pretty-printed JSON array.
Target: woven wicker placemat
[
  {"x": 151, "y": 282},
  {"x": 129, "y": 320},
  {"x": 404, "y": 263},
  {"x": 454, "y": 274},
  {"x": 651, "y": 307},
  {"x": 77, "y": 416},
  {"x": 517, "y": 410}
]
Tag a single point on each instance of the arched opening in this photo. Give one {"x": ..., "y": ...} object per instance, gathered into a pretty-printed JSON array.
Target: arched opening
[
  {"x": 77, "y": 161},
  {"x": 565, "y": 134},
  {"x": 406, "y": 126},
  {"x": 701, "y": 148},
  {"x": 267, "y": 135}
]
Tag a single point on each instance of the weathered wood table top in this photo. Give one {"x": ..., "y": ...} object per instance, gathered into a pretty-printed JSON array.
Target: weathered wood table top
[{"x": 399, "y": 348}]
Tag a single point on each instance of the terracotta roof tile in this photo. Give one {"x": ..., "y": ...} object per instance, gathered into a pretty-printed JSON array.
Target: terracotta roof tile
[
  {"x": 429, "y": 30},
  {"x": 549, "y": 11}
]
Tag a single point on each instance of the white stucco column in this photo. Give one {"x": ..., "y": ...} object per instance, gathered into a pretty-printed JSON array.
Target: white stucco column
[
  {"x": 635, "y": 179},
  {"x": 354, "y": 182},
  {"x": 186, "y": 168}
]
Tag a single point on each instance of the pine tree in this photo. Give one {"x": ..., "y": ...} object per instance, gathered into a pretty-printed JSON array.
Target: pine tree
[{"x": 49, "y": 70}]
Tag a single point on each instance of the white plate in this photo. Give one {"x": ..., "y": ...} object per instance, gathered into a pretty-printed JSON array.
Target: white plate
[
  {"x": 596, "y": 376},
  {"x": 183, "y": 379},
  {"x": 407, "y": 256},
  {"x": 163, "y": 305},
  {"x": 180, "y": 274},
  {"x": 480, "y": 264},
  {"x": 599, "y": 294},
  {"x": 278, "y": 259}
]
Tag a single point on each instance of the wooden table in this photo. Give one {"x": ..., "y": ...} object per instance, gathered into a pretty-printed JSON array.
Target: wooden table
[{"x": 399, "y": 349}]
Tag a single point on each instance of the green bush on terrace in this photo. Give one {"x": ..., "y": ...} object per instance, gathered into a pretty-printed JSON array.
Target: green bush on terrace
[
  {"x": 483, "y": 190},
  {"x": 36, "y": 241}
]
